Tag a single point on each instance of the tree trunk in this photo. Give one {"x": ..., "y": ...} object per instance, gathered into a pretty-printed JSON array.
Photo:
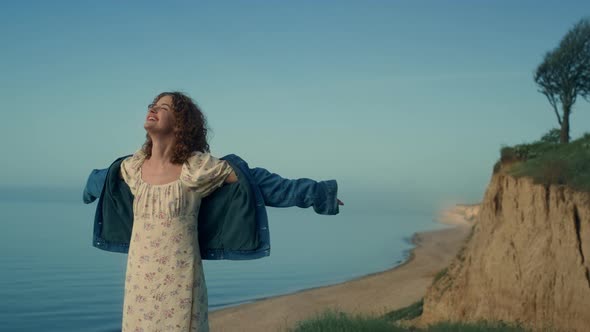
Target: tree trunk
[{"x": 565, "y": 125}]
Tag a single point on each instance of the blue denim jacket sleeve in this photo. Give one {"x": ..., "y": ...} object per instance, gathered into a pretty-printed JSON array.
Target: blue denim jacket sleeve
[
  {"x": 94, "y": 185},
  {"x": 276, "y": 190},
  {"x": 302, "y": 192}
]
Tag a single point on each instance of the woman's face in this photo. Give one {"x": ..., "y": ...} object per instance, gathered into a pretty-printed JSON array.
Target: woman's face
[{"x": 160, "y": 117}]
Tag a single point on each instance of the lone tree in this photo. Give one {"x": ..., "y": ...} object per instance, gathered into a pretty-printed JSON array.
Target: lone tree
[{"x": 564, "y": 74}]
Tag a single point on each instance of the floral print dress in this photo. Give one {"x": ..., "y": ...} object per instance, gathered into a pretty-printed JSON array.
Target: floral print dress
[{"x": 164, "y": 284}]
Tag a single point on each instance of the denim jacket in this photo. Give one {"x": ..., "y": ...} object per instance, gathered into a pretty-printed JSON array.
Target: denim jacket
[{"x": 232, "y": 221}]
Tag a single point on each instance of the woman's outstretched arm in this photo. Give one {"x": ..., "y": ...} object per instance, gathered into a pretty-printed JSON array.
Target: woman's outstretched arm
[
  {"x": 276, "y": 190},
  {"x": 94, "y": 185},
  {"x": 303, "y": 192}
]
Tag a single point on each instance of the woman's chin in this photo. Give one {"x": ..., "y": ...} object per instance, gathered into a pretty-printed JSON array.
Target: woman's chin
[{"x": 152, "y": 129}]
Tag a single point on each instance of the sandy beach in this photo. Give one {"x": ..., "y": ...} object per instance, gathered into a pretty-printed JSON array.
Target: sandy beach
[{"x": 376, "y": 293}]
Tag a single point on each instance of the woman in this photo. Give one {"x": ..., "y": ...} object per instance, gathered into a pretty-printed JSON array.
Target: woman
[{"x": 168, "y": 177}]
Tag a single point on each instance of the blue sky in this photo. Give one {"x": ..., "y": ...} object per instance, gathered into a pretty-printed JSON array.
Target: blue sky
[{"x": 394, "y": 98}]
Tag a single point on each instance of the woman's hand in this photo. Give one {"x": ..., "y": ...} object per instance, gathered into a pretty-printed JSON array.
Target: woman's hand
[{"x": 339, "y": 202}]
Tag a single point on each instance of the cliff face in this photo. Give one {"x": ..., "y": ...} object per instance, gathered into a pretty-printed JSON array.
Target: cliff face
[
  {"x": 460, "y": 214},
  {"x": 528, "y": 260}
]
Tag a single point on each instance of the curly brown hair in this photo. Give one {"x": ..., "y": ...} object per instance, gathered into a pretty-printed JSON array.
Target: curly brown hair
[{"x": 190, "y": 128}]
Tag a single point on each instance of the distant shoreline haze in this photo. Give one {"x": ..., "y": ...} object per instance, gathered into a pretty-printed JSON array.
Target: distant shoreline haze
[{"x": 356, "y": 201}]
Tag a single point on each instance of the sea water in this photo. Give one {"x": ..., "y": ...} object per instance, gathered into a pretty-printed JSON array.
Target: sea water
[{"x": 54, "y": 280}]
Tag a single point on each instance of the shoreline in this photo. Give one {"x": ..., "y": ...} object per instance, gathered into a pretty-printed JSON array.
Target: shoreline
[
  {"x": 408, "y": 256},
  {"x": 373, "y": 293}
]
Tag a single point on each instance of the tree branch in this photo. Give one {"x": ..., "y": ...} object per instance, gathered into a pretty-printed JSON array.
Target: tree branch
[{"x": 553, "y": 103}]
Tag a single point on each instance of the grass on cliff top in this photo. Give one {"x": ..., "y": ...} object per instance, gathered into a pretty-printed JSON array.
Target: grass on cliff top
[
  {"x": 548, "y": 162},
  {"x": 335, "y": 321}
]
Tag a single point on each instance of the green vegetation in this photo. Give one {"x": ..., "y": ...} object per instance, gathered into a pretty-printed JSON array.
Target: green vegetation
[
  {"x": 341, "y": 322},
  {"x": 334, "y": 321},
  {"x": 564, "y": 74},
  {"x": 547, "y": 162},
  {"x": 407, "y": 313},
  {"x": 440, "y": 274}
]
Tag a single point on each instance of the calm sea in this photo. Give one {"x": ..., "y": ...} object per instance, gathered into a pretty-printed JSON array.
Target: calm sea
[{"x": 54, "y": 280}]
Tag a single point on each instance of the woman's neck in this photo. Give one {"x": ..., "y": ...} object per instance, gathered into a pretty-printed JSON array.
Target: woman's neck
[{"x": 162, "y": 150}]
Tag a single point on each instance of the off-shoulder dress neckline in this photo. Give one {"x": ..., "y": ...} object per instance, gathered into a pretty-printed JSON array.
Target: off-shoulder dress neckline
[
  {"x": 159, "y": 185},
  {"x": 140, "y": 175}
]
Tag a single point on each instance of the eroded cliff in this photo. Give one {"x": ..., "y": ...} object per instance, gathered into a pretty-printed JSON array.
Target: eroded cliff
[{"x": 527, "y": 260}]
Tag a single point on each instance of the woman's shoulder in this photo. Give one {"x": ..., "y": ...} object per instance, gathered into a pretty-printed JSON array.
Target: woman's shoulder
[
  {"x": 199, "y": 158},
  {"x": 199, "y": 164},
  {"x": 204, "y": 173},
  {"x": 132, "y": 163},
  {"x": 194, "y": 162}
]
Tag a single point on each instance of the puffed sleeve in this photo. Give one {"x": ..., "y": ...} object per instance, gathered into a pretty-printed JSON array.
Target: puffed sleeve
[
  {"x": 204, "y": 173},
  {"x": 130, "y": 170}
]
